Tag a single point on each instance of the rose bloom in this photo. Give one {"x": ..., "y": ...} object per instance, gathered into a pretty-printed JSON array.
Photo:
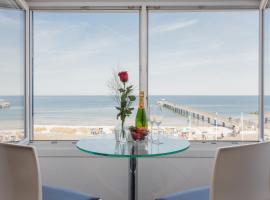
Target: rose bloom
[{"x": 123, "y": 76}]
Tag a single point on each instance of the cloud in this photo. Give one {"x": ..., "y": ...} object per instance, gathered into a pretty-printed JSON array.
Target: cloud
[
  {"x": 129, "y": 38},
  {"x": 210, "y": 48},
  {"x": 9, "y": 21},
  {"x": 82, "y": 54},
  {"x": 174, "y": 26}
]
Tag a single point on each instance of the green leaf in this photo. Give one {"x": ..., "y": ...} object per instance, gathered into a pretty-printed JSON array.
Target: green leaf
[
  {"x": 123, "y": 104},
  {"x": 128, "y": 112},
  {"x": 121, "y": 90},
  {"x": 123, "y": 97},
  {"x": 132, "y": 98},
  {"x": 118, "y": 108},
  {"x": 129, "y": 87},
  {"x": 118, "y": 115}
]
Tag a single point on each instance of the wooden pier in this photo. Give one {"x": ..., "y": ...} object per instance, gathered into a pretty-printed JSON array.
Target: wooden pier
[
  {"x": 210, "y": 118},
  {"x": 4, "y": 104}
]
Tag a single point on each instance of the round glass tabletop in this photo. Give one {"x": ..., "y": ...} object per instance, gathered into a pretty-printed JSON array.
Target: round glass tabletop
[{"x": 105, "y": 146}]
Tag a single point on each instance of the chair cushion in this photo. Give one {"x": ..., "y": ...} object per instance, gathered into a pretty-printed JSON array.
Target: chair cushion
[
  {"x": 54, "y": 193},
  {"x": 201, "y": 193}
]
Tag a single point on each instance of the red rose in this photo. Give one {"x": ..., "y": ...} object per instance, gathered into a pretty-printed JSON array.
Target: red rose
[{"x": 123, "y": 76}]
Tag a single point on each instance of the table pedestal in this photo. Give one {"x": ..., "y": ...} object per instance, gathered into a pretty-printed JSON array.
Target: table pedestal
[{"x": 133, "y": 178}]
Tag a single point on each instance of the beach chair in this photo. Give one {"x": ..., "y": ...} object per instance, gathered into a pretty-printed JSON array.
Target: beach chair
[
  {"x": 240, "y": 173},
  {"x": 20, "y": 177}
]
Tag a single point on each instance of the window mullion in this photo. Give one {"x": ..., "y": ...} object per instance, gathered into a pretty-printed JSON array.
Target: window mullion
[
  {"x": 261, "y": 75},
  {"x": 30, "y": 75},
  {"x": 26, "y": 76},
  {"x": 144, "y": 52}
]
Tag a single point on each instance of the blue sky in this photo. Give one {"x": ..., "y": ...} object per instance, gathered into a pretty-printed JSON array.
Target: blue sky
[
  {"x": 195, "y": 53},
  {"x": 11, "y": 53},
  {"x": 78, "y": 55},
  {"x": 199, "y": 53}
]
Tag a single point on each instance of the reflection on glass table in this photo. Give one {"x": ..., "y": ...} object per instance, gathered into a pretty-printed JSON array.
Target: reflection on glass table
[{"x": 107, "y": 146}]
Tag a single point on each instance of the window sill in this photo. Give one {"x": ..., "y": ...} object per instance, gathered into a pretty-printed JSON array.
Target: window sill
[{"x": 68, "y": 149}]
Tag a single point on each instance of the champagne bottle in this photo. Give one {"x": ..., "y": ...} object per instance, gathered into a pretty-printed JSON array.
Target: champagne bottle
[{"x": 141, "y": 119}]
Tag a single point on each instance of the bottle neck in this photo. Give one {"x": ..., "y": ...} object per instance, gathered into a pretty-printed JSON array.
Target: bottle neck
[{"x": 141, "y": 101}]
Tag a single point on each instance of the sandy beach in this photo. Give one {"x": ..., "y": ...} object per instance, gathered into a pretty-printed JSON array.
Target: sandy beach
[
  {"x": 13, "y": 135},
  {"x": 55, "y": 132},
  {"x": 59, "y": 132},
  {"x": 65, "y": 132}
]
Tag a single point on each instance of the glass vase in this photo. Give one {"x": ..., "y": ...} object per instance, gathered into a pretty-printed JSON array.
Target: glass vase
[{"x": 121, "y": 133}]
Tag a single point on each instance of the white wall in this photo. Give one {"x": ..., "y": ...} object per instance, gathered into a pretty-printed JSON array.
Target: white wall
[
  {"x": 160, "y": 176},
  {"x": 104, "y": 177},
  {"x": 108, "y": 177}
]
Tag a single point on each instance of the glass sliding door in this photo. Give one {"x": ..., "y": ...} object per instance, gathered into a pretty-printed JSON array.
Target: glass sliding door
[
  {"x": 75, "y": 55},
  {"x": 203, "y": 74},
  {"x": 12, "y": 67}
]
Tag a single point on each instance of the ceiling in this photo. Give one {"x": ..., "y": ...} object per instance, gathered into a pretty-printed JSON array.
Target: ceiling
[
  {"x": 8, "y": 4},
  {"x": 183, "y": 3}
]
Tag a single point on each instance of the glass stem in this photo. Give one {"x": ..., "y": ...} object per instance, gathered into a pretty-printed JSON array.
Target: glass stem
[
  {"x": 158, "y": 134},
  {"x": 123, "y": 121},
  {"x": 151, "y": 132},
  {"x": 123, "y": 130}
]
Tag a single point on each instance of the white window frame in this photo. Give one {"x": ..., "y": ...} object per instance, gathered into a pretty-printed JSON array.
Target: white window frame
[{"x": 24, "y": 7}]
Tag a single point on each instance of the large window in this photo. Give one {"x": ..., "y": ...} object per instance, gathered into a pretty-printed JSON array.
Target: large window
[
  {"x": 74, "y": 58},
  {"x": 203, "y": 74},
  {"x": 12, "y": 65}
]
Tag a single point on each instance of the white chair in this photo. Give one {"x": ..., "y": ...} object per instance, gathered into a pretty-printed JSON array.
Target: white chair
[
  {"x": 20, "y": 177},
  {"x": 240, "y": 173}
]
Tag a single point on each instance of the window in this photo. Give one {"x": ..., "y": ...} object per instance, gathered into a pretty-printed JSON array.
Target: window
[
  {"x": 203, "y": 73},
  {"x": 12, "y": 65},
  {"x": 74, "y": 57},
  {"x": 267, "y": 77}
]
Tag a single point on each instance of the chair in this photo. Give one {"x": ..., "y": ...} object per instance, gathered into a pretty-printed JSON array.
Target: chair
[
  {"x": 20, "y": 177},
  {"x": 240, "y": 173}
]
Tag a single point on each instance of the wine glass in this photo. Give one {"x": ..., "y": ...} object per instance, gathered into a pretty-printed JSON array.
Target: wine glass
[
  {"x": 151, "y": 120},
  {"x": 158, "y": 120}
]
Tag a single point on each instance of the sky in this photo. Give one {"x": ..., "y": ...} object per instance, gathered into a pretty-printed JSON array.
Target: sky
[
  {"x": 11, "y": 53},
  {"x": 194, "y": 53}
]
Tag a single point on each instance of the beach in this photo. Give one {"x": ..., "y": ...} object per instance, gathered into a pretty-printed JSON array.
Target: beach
[
  {"x": 71, "y": 132},
  {"x": 58, "y": 132}
]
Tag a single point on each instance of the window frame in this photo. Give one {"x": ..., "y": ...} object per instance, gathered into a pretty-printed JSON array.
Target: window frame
[
  {"x": 31, "y": 72},
  {"x": 260, "y": 56},
  {"x": 23, "y": 8},
  {"x": 143, "y": 51}
]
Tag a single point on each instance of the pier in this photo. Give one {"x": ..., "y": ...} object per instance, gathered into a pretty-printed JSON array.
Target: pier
[
  {"x": 4, "y": 104},
  {"x": 210, "y": 118}
]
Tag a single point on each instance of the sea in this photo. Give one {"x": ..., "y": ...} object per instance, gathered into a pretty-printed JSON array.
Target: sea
[{"x": 100, "y": 110}]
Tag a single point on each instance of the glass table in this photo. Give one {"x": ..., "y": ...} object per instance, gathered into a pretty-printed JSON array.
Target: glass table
[{"x": 107, "y": 146}]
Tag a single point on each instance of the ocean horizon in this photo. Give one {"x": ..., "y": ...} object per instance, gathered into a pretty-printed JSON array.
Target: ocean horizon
[{"x": 98, "y": 110}]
